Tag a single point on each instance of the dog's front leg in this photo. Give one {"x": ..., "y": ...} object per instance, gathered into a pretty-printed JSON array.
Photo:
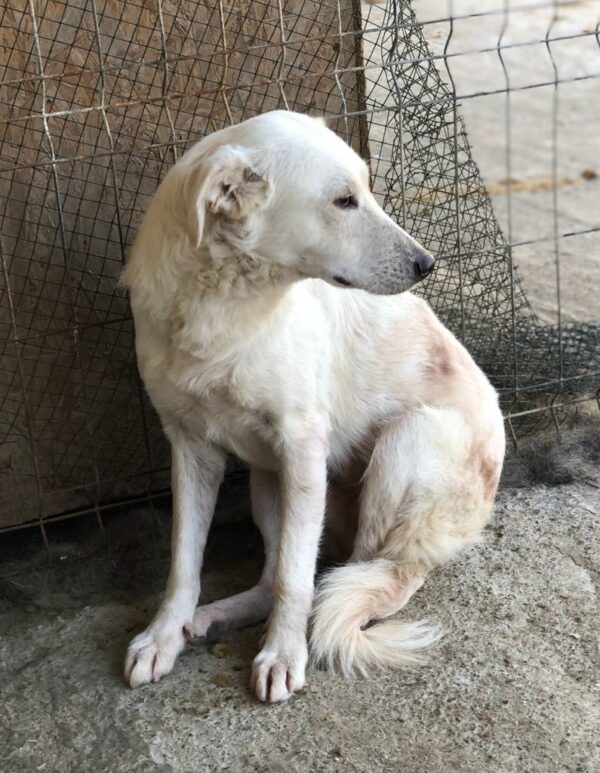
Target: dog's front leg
[
  {"x": 196, "y": 473},
  {"x": 278, "y": 669}
]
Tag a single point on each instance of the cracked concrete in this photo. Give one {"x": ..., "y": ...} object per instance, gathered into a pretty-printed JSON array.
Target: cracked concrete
[{"x": 514, "y": 685}]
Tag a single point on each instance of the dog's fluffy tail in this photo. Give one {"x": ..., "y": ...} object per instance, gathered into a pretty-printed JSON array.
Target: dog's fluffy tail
[{"x": 351, "y": 596}]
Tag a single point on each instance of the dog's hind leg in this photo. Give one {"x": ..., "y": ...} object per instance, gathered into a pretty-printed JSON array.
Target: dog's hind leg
[
  {"x": 427, "y": 493},
  {"x": 428, "y": 490},
  {"x": 254, "y": 605}
]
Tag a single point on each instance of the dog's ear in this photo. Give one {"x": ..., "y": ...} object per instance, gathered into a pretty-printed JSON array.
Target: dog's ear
[{"x": 225, "y": 183}]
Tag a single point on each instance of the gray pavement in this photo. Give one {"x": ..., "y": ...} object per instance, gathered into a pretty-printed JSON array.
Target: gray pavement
[
  {"x": 533, "y": 137},
  {"x": 514, "y": 685}
]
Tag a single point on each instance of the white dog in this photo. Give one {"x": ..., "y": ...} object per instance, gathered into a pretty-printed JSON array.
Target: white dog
[{"x": 348, "y": 406}]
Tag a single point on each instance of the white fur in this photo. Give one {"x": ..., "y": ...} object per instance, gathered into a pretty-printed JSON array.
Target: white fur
[
  {"x": 349, "y": 597},
  {"x": 247, "y": 346}
]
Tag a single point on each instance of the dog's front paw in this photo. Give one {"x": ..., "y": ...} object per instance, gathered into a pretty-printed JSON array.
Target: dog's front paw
[
  {"x": 152, "y": 654},
  {"x": 277, "y": 674}
]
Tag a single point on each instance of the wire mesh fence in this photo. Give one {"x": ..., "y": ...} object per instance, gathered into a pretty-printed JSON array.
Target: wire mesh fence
[{"x": 477, "y": 123}]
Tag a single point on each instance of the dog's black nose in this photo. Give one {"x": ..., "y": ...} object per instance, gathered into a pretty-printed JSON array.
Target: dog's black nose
[{"x": 423, "y": 264}]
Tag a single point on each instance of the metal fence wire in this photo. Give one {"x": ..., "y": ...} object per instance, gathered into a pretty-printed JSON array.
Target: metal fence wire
[{"x": 97, "y": 101}]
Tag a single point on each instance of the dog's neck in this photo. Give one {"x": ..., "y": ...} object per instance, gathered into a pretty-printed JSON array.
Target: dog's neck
[
  {"x": 210, "y": 299},
  {"x": 235, "y": 275},
  {"x": 221, "y": 298},
  {"x": 228, "y": 302}
]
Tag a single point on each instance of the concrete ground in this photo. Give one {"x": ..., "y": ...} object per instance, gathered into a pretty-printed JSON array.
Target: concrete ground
[{"x": 513, "y": 686}]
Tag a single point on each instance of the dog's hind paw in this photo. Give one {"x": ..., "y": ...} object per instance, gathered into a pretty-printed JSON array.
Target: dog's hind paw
[
  {"x": 207, "y": 621},
  {"x": 151, "y": 654}
]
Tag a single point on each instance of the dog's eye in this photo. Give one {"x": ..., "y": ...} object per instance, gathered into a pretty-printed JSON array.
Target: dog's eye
[{"x": 346, "y": 202}]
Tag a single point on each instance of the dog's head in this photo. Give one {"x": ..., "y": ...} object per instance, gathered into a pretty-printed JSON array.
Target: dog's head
[{"x": 285, "y": 189}]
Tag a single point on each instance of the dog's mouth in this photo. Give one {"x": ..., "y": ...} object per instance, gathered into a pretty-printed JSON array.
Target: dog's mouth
[{"x": 340, "y": 280}]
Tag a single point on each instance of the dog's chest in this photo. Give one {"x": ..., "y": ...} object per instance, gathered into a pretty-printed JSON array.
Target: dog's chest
[
  {"x": 241, "y": 428},
  {"x": 212, "y": 404}
]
